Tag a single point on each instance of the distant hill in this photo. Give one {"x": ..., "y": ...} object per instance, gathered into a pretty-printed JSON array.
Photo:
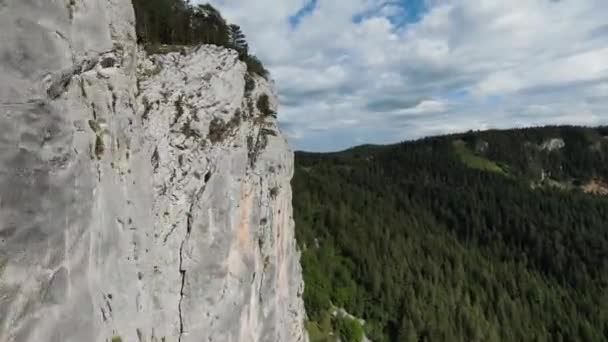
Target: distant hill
[{"x": 480, "y": 236}]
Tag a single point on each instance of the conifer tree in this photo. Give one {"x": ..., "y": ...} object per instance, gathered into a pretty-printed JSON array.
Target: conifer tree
[{"x": 238, "y": 41}]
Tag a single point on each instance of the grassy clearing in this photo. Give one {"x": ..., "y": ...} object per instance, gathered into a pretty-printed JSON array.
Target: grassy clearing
[
  {"x": 329, "y": 328},
  {"x": 474, "y": 161},
  {"x": 321, "y": 331}
]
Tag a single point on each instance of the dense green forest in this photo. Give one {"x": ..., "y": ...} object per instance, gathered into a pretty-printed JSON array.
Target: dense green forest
[
  {"x": 179, "y": 23},
  {"x": 482, "y": 236}
]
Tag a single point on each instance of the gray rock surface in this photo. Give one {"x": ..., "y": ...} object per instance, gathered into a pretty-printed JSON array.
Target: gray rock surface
[
  {"x": 140, "y": 198},
  {"x": 553, "y": 144}
]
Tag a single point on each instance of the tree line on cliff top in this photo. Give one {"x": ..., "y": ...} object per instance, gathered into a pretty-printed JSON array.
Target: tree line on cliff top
[{"x": 178, "y": 22}]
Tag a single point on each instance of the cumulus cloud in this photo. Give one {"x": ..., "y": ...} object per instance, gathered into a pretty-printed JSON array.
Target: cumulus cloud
[{"x": 380, "y": 71}]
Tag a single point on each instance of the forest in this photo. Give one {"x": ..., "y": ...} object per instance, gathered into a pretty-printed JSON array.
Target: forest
[
  {"x": 481, "y": 236},
  {"x": 180, "y": 23}
]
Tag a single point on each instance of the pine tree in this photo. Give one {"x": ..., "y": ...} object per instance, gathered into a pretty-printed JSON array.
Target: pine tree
[
  {"x": 238, "y": 41},
  {"x": 407, "y": 332}
]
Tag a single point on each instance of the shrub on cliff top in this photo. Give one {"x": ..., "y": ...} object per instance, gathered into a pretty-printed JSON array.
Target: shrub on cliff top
[
  {"x": 349, "y": 329},
  {"x": 255, "y": 66},
  {"x": 263, "y": 105}
]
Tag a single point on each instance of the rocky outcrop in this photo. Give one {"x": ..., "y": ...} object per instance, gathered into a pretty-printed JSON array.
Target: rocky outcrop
[
  {"x": 553, "y": 144},
  {"x": 141, "y": 199}
]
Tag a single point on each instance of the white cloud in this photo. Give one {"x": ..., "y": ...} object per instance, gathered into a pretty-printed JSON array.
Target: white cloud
[
  {"x": 341, "y": 80},
  {"x": 425, "y": 107},
  {"x": 500, "y": 82}
]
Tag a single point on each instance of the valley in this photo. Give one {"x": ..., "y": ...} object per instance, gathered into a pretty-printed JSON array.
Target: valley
[{"x": 465, "y": 237}]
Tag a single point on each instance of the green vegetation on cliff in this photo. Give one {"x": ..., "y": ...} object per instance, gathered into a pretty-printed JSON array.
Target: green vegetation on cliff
[
  {"x": 459, "y": 238},
  {"x": 176, "y": 23}
]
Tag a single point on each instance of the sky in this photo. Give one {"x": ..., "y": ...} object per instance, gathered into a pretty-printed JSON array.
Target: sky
[{"x": 352, "y": 72}]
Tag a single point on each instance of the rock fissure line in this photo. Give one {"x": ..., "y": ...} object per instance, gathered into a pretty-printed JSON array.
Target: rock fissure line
[
  {"x": 181, "y": 292},
  {"x": 60, "y": 81},
  {"x": 182, "y": 269}
]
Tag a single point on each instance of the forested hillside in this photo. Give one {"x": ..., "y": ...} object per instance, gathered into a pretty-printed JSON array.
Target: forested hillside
[
  {"x": 483, "y": 236},
  {"x": 175, "y": 23}
]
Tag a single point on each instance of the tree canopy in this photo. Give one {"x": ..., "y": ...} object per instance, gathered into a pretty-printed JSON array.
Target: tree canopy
[
  {"x": 178, "y": 22},
  {"x": 482, "y": 236}
]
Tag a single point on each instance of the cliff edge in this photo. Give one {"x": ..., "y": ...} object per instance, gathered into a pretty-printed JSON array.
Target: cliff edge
[{"x": 142, "y": 198}]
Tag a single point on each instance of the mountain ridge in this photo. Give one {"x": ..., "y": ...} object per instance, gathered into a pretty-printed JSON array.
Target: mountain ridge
[{"x": 471, "y": 131}]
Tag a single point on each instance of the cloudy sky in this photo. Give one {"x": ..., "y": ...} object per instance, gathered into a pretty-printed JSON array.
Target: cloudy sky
[{"x": 375, "y": 71}]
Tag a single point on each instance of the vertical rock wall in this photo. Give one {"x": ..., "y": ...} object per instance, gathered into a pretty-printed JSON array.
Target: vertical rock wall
[{"x": 145, "y": 199}]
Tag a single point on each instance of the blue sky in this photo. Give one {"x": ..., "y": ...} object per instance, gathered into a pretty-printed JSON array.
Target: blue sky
[
  {"x": 375, "y": 71},
  {"x": 306, "y": 10}
]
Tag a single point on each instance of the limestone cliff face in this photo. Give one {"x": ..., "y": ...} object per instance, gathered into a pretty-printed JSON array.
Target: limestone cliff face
[{"x": 141, "y": 198}]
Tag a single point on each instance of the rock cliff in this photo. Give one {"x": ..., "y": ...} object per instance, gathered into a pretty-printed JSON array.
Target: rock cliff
[{"x": 141, "y": 198}]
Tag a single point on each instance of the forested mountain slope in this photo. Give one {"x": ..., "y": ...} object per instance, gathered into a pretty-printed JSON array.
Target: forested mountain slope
[{"x": 483, "y": 236}]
